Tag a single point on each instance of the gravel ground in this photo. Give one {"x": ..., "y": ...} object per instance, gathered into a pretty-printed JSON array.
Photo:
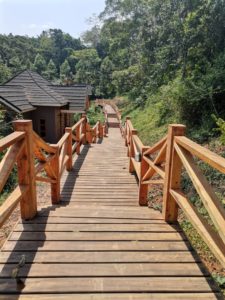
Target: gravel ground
[{"x": 43, "y": 198}]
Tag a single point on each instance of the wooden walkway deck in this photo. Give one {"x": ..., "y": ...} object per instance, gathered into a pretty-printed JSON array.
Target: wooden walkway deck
[{"x": 99, "y": 244}]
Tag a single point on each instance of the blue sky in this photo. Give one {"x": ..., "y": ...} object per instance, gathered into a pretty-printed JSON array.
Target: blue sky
[{"x": 31, "y": 17}]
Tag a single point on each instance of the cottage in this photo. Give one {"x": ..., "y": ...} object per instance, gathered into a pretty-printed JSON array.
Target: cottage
[{"x": 50, "y": 107}]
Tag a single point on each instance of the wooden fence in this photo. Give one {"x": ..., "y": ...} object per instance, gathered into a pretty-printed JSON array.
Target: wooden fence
[
  {"x": 36, "y": 160},
  {"x": 166, "y": 159}
]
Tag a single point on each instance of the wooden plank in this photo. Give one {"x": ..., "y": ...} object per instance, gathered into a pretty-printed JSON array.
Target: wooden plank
[
  {"x": 100, "y": 257},
  {"x": 110, "y": 284},
  {"x": 210, "y": 237},
  {"x": 154, "y": 181},
  {"x": 205, "y": 191},
  {"x": 93, "y": 220},
  {"x": 158, "y": 160},
  {"x": 117, "y": 296},
  {"x": 156, "y": 147},
  {"x": 109, "y": 246},
  {"x": 74, "y": 127},
  {"x": 98, "y": 227},
  {"x": 109, "y": 269},
  {"x": 129, "y": 124},
  {"x": 138, "y": 142},
  {"x": 42, "y": 144},
  {"x": 211, "y": 158},
  {"x": 45, "y": 179},
  {"x": 63, "y": 140},
  {"x": 96, "y": 236},
  {"x": 11, "y": 139},
  {"x": 71, "y": 212},
  {"x": 137, "y": 167},
  {"x": 157, "y": 169}
]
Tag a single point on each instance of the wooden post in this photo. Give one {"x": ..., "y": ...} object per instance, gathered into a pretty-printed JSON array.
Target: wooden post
[
  {"x": 55, "y": 186},
  {"x": 131, "y": 152},
  {"x": 101, "y": 131},
  {"x": 127, "y": 118},
  {"x": 84, "y": 129},
  {"x": 88, "y": 133},
  {"x": 78, "y": 139},
  {"x": 26, "y": 170},
  {"x": 98, "y": 129},
  {"x": 105, "y": 129},
  {"x": 69, "y": 150},
  {"x": 143, "y": 188},
  {"x": 172, "y": 173},
  {"x": 94, "y": 135}
]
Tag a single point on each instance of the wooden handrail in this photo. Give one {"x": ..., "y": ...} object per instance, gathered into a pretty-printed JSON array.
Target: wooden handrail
[
  {"x": 166, "y": 159},
  {"x": 63, "y": 140},
  {"x": 34, "y": 156},
  {"x": 11, "y": 139},
  {"x": 213, "y": 159}
]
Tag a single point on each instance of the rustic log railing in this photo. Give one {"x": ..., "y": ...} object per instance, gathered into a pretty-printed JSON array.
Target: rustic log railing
[
  {"x": 166, "y": 160},
  {"x": 36, "y": 160}
]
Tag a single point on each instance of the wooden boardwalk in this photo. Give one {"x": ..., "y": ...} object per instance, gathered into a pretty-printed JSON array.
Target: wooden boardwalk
[{"x": 99, "y": 244}]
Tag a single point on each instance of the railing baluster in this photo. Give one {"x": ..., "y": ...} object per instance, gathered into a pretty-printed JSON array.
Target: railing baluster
[
  {"x": 172, "y": 173},
  {"x": 78, "y": 139},
  {"x": 69, "y": 151},
  {"x": 26, "y": 170},
  {"x": 55, "y": 186},
  {"x": 132, "y": 152},
  {"x": 143, "y": 188}
]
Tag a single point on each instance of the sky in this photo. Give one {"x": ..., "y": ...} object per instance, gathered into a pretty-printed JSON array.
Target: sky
[{"x": 31, "y": 17}]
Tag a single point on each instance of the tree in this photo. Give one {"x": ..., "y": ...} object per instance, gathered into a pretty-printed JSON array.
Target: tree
[
  {"x": 65, "y": 72},
  {"x": 51, "y": 71},
  {"x": 16, "y": 65},
  {"x": 106, "y": 85},
  {"x": 87, "y": 67},
  {"x": 39, "y": 63},
  {"x": 5, "y": 73}
]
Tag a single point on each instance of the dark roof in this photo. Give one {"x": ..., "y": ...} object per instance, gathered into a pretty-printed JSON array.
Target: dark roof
[
  {"x": 14, "y": 96},
  {"x": 28, "y": 89},
  {"x": 75, "y": 94}
]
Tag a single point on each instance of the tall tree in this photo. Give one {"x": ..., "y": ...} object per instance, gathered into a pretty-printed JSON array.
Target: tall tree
[
  {"x": 51, "y": 71},
  {"x": 39, "y": 63},
  {"x": 65, "y": 72}
]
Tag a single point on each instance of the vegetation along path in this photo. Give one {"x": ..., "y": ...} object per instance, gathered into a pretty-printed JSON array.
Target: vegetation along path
[{"x": 98, "y": 243}]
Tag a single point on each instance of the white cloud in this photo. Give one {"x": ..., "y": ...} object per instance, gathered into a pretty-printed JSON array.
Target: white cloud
[
  {"x": 33, "y": 29},
  {"x": 44, "y": 26}
]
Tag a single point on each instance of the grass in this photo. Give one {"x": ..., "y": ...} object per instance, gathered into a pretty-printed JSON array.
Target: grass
[{"x": 150, "y": 129}]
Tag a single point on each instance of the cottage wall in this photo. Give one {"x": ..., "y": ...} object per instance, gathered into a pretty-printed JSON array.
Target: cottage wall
[{"x": 45, "y": 122}]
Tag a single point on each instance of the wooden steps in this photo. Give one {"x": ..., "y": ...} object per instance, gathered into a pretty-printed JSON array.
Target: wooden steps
[{"x": 99, "y": 244}]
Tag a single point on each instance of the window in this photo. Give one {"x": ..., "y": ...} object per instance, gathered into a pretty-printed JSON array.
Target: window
[{"x": 42, "y": 128}]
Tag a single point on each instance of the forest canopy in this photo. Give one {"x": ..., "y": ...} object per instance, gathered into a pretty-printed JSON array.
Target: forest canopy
[{"x": 165, "y": 52}]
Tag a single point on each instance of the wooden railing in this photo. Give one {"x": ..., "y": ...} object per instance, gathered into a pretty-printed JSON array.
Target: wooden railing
[
  {"x": 165, "y": 161},
  {"x": 36, "y": 160}
]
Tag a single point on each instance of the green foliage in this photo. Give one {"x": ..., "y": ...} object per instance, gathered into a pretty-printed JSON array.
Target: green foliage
[
  {"x": 221, "y": 127},
  {"x": 87, "y": 67},
  {"x": 12, "y": 180},
  {"x": 65, "y": 72},
  {"x": 39, "y": 64},
  {"x": 95, "y": 114},
  {"x": 5, "y": 73},
  {"x": 52, "y": 47},
  {"x": 51, "y": 71}
]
